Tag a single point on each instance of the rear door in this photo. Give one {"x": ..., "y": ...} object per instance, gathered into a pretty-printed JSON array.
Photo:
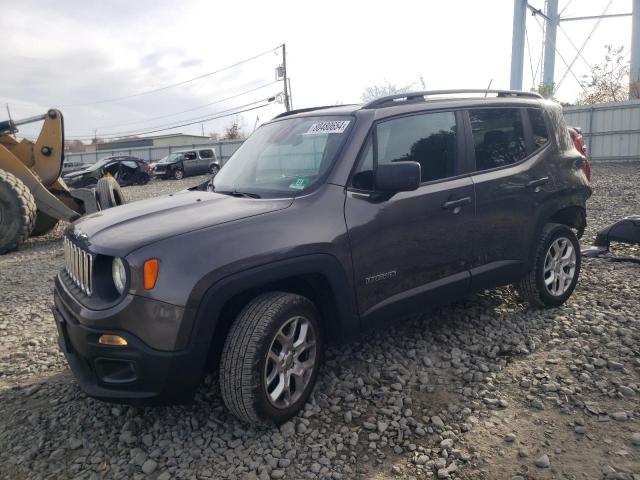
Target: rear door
[
  {"x": 411, "y": 249},
  {"x": 206, "y": 156},
  {"x": 190, "y": 162},
  {"x": 509, "y": 146}
]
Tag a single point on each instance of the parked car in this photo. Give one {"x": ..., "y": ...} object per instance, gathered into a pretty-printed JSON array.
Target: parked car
[
  {"x": 187, "y": 162},
  {"x": 125, "y": 169},
  {"x": 326, "y": 222}
]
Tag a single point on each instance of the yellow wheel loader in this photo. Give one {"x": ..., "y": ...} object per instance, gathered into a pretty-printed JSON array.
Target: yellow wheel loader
[{"x": 33, "y": 197}]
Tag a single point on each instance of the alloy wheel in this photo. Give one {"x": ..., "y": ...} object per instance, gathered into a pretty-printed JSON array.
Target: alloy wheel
[
  {"x": 559, "y": 266},
  {"x": 291, "y": 360}
]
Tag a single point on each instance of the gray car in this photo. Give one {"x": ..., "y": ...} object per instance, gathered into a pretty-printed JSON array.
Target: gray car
[
  {"x": 326, "y": 222},
  {"x": 184, "y": 163}
]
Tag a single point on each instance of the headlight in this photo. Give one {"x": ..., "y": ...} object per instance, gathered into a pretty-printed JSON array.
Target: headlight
[{"x": 119, "y": 273}]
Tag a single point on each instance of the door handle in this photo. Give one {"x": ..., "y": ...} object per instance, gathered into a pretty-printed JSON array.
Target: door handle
[
  {"x": 453, "y": 204},
  {"x": 537, "y": 183}
]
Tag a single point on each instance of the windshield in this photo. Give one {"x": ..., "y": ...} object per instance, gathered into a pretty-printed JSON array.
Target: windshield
[
  {"x": 172, "y": 157},
  {"x": 284, "y": 158}
]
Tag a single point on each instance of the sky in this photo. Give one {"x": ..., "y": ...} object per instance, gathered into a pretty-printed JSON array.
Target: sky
[{"x": 84, "y": 56}]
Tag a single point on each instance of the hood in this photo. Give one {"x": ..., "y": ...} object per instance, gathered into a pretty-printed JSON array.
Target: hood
[{"x": 120, "y": 230}]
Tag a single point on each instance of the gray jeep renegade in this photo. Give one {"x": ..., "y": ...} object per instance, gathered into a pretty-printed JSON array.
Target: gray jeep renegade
[{"x": 325, "y": 222}]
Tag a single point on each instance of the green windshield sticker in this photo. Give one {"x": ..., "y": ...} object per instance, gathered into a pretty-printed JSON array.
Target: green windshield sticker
[{"x": 299, "y": 183}]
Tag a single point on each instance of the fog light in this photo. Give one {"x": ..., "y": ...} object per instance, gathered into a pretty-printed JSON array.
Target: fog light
[{"x": 113, "y": 340}]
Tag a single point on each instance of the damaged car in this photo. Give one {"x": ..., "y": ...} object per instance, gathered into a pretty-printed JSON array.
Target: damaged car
[{"x": 326, "y": 222}]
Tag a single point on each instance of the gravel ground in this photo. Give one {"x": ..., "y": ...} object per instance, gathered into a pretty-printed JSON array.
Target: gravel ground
[{"x": 483, "y": 389}]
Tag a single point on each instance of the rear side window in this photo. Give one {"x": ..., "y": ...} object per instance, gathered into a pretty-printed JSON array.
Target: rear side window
[
  {"x": 498, "y": 137},
  {"x": 538, "y": 128},
  {"x": 206, "y": 153}
]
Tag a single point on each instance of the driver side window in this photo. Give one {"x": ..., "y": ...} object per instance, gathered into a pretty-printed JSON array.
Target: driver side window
[{"x": 429, "y": 139}]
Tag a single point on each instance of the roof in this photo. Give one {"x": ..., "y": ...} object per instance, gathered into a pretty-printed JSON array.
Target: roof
[{"x": 402, "y": 102}]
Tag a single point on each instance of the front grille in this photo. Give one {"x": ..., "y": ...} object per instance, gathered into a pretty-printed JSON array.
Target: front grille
[{"x": 79, "y": 266}]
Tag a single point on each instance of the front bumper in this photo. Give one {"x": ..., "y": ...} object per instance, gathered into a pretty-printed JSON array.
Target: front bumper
[{"x": 135, "y": 373}]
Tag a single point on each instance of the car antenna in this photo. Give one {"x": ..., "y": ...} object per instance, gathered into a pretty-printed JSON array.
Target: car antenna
[{"x": 488, "y": 87}]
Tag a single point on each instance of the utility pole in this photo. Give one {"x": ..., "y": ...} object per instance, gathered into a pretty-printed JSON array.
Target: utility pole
[
  {"x": 548, "y": 69},
  {"x": 287, "y": 105},
  {"x": 634, "y": 77},
  {"x": 517, "y": 43}
]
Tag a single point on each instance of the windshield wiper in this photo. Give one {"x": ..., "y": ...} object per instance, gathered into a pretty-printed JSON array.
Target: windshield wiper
[{"x": 236, "y": 193}]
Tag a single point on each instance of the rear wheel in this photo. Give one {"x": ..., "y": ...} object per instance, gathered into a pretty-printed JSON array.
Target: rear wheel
[
  {"x": 44, "y": 224},
  {"x": 556, "y": 268},
  {"x": 214, "y": 170},
  {"x": 109, "y": 193},
  {"x": 270, "y": 358},
  {"x": 17, "y": 212}
]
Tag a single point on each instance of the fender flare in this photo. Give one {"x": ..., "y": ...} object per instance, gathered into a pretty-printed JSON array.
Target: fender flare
[
  {"x": 547, "y": 210},
  {"x": 210, "y": 294}
]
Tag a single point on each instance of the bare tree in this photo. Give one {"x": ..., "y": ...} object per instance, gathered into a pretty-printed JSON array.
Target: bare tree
[
  {"x": 214, "y": 135},
  {"x": 377, "y": 91},
  {"x": 73, "y": 146},
  {"x": 233, "y": 131},
  {"x": 607, "y": 81}
]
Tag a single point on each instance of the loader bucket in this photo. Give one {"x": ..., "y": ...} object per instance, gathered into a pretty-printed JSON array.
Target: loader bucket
[{"x": 38, "y": 165}]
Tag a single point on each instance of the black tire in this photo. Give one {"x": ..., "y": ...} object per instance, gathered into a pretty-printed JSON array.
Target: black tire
[
  {"x": 243, "y": 366},
  {"x": 109, "y": 193},
  {"x": 17, "y": 212},
  {"x": 44, "y": 224},
  {"x": 532, "y": 287},
  {"x": 177, "y": 173},
  {"x": 214, "y": 169}
]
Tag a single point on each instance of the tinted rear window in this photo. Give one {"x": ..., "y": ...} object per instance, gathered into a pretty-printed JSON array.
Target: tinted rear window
[
  {"x": 538, "y": 127},
  {"x": 498, "y": 137}
]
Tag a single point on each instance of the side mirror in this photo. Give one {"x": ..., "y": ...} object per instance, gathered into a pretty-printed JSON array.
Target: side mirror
[{"x": 397, "y": 177}]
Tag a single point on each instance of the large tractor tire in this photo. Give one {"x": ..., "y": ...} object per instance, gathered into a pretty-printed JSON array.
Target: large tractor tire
[
  {"x": 109, "y": 193},
  {"x": 17, "y": 212},
  {"x": 44, "y": 224}
]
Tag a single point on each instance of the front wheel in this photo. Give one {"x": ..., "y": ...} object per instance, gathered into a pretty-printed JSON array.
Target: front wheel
[
  {"x": 178, "y": 174},
  {"x": 270, "y": 358},
  {"x": 556, "y": 268}
]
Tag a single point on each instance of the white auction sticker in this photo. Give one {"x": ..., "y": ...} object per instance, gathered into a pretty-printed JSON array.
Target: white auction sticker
[{"x": 337, "y": 126}]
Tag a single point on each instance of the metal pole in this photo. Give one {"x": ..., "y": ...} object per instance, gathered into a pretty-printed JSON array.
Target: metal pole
[
  {"x": 634, "y": 77},
  {"x": 284, "y": 74},
  {"x": 517, "y": 43},
  {"x": 548, "y": 71}
]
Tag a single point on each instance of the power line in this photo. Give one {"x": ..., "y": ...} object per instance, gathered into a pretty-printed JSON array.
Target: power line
[
  {"x": 191, "y": 109},
  {"x": 533, "y": 75},
  {"x": 166, "y": 87},
  {"x": 192, "y": 121},
  {"x": 584, "y": 44},
  {"x": 555, "y": 48}
]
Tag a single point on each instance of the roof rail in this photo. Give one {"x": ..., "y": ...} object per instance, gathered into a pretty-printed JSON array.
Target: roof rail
[
  {"x": 409, "y": 96},
  {"x": 302, "y": 110}
]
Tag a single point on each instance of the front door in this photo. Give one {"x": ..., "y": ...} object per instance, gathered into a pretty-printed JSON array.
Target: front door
[{"x": 412, "y": 249}]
